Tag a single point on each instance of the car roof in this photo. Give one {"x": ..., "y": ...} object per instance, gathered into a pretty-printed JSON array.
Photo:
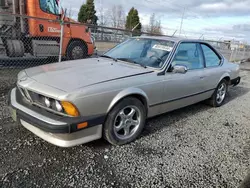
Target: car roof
[{"x": 174, "y": 39}]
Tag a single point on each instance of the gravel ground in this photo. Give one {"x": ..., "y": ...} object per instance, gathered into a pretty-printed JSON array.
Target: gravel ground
[{"x": 197, "y": 146}]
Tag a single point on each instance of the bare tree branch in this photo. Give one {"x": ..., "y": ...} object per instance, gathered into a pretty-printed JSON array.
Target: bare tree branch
[
  {"x": 117, "y": 16},
  {"x": 69, "y": 13},
  {"x": 102, "y": 16},
  {"x": 154, "y": 26}
]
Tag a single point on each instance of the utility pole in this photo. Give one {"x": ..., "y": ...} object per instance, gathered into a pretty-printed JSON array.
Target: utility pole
[
  {"x": 182, "y": 20},
  {"x": 174, "y": 33}
]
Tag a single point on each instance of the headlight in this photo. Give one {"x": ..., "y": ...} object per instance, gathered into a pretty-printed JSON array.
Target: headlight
[
  {"x": 62, "y": 107},
  {"x": 53, "y": 104},
  {"x": 59, "y": 107},
  {"x": 47, "y": 102}
]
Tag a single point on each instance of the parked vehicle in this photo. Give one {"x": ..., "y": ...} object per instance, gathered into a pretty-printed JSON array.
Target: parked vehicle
[
  {"x": 39, "y": 33},
  {"x": 76, "y": 102}
]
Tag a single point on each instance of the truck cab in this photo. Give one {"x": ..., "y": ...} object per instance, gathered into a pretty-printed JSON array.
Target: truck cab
[{"x": 35, "y": 29}]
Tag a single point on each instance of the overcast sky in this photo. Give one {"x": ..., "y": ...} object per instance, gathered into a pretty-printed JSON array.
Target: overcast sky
[{"x": 213, "y": 19}]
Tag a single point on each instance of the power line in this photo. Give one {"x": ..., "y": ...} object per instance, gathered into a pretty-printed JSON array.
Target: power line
[{"x": 182, "y": 21}]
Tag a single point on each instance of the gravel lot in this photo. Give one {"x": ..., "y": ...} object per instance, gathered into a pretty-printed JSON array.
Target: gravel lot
[{"x": 197, "y": 146}]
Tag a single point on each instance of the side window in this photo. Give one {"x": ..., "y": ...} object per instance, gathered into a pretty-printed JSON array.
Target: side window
[
  {"x": 50, "y": 6},
  {"x": 211, "y": 58},
  {"x": 190, "y": 55}
]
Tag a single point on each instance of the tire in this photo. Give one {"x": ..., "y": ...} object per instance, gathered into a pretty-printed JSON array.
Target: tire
[
  {"x": 15, "y": 48},
  {"x": 214, "y": 100},
  {"x": 77, "y": 50},
  {"x": 132, "y": 126}
]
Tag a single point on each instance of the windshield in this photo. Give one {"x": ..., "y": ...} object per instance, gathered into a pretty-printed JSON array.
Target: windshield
[
  {"x": 146, "y": 52},
  {"x": 50, "y": 6}
]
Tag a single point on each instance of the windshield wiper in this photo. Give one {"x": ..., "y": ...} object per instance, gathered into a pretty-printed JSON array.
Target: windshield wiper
[
  {"x": 132, "y": 61},
  {"x": 106, "y": 56}
]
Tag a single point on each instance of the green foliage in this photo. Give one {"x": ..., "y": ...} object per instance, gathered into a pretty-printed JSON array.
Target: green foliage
[
  {"x": 88, "y": 13},
  {"x": 132, "y": 20},
  {"x": 82, "y": 16}
]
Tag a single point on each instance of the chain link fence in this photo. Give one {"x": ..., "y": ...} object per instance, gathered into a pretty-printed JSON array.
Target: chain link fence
[
  {"x": 24, "y": 43},
  {"x": 107, "y": 38},
  {"x": 240, "y": 53},
  {"x": 28, "y": 41}
]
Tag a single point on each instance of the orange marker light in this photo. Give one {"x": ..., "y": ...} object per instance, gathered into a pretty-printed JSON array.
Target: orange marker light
[
  {"x": 82, "y": 125},
  {"x": 70, "y": 109}
]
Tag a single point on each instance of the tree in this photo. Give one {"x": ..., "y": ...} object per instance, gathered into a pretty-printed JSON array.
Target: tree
[
  {"x": 133, "y": 20},
  {"x": 154, "y": 26},
  {"x": 102, "y": 18},
  {"x": 69, "y": 12},
  {"x": 117, "y": 16},
  {"x": 87, "y": 13}
]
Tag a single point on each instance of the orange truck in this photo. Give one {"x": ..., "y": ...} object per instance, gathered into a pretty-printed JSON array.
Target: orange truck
[{"x": 26, "y": 37}]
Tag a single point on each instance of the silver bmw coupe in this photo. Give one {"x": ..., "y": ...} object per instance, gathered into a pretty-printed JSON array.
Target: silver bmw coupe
[{"x": 111, "y": 96}]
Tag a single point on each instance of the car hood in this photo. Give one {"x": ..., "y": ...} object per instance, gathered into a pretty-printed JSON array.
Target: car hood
[{"x": 71, "y": 75}]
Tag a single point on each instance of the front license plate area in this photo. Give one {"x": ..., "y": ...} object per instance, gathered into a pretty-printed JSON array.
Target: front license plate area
[{"x": 13, "y": 114}]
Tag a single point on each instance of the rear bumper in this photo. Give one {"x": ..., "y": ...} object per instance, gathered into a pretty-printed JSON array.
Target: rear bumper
[
  {"x": 235, "y": 81},
  {"x": 60, "y": 131}
]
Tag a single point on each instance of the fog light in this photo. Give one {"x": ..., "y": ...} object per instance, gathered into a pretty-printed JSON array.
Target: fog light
[
  {"x": 59, "y": 107},
  {"x": 47, "y": 102}
]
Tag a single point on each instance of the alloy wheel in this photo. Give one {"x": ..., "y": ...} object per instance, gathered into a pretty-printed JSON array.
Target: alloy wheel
[
  {"x": 221, "y": 93},
  {"x": 127, "y": 122}
]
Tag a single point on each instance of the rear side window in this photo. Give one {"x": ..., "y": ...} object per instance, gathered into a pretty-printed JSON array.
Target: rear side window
[{"x": 211, "y": 58}]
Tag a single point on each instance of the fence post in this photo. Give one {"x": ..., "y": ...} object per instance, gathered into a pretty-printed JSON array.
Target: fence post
[
  {"x": 61, "y": 41},
  {"x": 236, "y": 55},
  {"x": 102, "y": 34},
  {"x": 231, "y": 56},
  {"x": 244, "y": 53}
]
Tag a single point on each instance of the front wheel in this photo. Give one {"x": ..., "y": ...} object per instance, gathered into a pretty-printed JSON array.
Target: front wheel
[
  {"x": 125, "y": 122},
  {"x": 77, "y": 50},
  {"x": 220, "y": 94}
]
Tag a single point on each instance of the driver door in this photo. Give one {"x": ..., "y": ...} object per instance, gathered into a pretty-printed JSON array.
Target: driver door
[{"x": 183, "y": 89}]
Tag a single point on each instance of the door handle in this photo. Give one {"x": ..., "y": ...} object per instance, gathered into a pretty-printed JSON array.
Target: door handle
[{"x": 202, "y": 77}]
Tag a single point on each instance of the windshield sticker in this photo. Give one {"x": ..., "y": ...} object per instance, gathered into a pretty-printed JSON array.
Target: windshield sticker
[{"x": 162, "y": 47}]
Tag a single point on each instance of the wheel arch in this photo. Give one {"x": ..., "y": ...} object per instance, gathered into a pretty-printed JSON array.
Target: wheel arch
[
  {"x": 226, "y": 77},
  {"x": 130, "y": 92}
]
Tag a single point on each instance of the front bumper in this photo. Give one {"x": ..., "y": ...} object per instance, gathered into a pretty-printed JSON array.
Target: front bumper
[
  {"x": 57, "y": 130},
  {"x": 235, "y": 81}
]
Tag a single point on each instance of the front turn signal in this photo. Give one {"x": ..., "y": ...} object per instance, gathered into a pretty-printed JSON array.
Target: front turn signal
[{"x": 70, "y": 109}]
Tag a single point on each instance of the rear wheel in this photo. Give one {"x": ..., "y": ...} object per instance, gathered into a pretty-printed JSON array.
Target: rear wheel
[
  {"x": 220, "y": 94},
  {"x": 15, "y": 48},
  {"x": 125, "y": 122},
  {"x": 77, "y": 50}
]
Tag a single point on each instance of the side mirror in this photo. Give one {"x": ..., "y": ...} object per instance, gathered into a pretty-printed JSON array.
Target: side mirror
[{"x": 182, "y": 69}]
